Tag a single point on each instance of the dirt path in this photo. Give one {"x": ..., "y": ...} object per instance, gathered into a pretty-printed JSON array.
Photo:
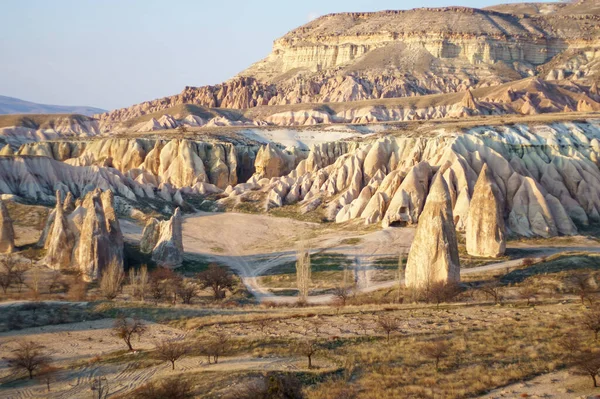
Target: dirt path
[{"x": 254, "y": 244}]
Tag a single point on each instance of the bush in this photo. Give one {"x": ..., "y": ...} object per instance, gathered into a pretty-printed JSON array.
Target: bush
[{"x": 173, "y": 388}]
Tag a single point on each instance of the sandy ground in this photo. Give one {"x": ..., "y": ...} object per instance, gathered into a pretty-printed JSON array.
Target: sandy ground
[
  {"x": 74, "y": 346},
  {"x": 253, "y": 244},
  {"x": 559, "y": 385}
]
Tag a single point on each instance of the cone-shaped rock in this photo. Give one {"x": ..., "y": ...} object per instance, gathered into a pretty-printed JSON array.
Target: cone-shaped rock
[
  {"x": 7, "y": 233},
  {"x": 112, "y": 228},
  {"x": 93, "y": 250},
  {"x": 169, "y": 249},
  {"x": 468, "y": 100},
  {"x": 61, "y": 240},
  {"x": 433, "y": 254},
  {"x": 485, "y": 225}
]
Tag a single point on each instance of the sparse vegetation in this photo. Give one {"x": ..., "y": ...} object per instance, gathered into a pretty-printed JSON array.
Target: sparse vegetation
[
  {"x": 30, "y": 357},
  {"x": 126, "y": 329},
  {"x": 171, "y": 351},
  {"x": 218, "y": 279}
]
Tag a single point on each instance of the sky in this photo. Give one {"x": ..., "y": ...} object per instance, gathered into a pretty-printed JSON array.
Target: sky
[{"x": 115, "y": 53}]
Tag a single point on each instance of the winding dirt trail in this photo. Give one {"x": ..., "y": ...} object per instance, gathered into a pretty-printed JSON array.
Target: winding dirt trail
[{"x": 254, "y": 244}]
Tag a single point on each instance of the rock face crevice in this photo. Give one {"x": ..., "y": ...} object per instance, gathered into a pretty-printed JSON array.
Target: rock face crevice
[
  {"x": 433, "y": 255},
  {"x": 88, "y": 239}
]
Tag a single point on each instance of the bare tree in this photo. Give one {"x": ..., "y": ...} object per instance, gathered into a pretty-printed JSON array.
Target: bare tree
[
  {"x": 303, "y": 271},
  {"x": 388, "y": 324},
  {"x": 100, "y": 387},
  {"x": 157, "y": 290},
  {"x": 216, "y": 278},
  {"x": 126, "y": 328},
  {"x": 436, "y": 350},
  {"x": 35, "y": 285},
  {"x": 138, "y": 279},
  {"x": 588, "y": 363},
  {"x": 308, "y": 347},
  {"x": 591, "y": 321},
  {"x": 494, "y": 291},
  {"x": 218, "y": 346},
  {"x": 28, "y": 356},
  {"x": 187, "y": 291},
  {"x": 529, "y": 293},
  {"x": 47, "y": 374},
  {"x": 171, "y": 351},
  {"x": 56, "y": 282},
  {"x": 582, "y": 287},
  {"x": 363, "y": 324},
  {"x": 442, "y": 291},
  {"x": 7, "y": 267},
  {"x": 112, "y": 280},
  {"x": 342, "y": 294},
  {"x": 19, "y": 272}
]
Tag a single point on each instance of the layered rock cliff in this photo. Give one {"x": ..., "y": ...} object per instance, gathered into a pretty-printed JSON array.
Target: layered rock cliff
[{"x": 361, "y": 56}]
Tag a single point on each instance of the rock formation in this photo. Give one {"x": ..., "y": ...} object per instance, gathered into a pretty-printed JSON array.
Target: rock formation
[
  {"x": 150, "y": 236},
  {"x": 164, "y": 240},
  {"x": 433, "y": 255},
  {"x": 485, "y": 231},
  {"x": 60, "y": 238},
  {"x": 88, "y": 239},
  {"x": 271, "y": 161},
  {"x": 434, "y": 48},
  {"x": 7, "y": 233}
]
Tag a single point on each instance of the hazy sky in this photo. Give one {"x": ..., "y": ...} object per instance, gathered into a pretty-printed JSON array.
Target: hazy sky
[{"x": 114, "y": 53}]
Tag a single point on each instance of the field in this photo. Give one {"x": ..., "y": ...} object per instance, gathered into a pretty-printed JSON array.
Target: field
[{"x": 500, "y": 335}]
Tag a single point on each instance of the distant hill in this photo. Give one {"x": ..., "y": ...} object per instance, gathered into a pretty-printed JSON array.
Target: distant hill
[{"x": 11, "y": 105}]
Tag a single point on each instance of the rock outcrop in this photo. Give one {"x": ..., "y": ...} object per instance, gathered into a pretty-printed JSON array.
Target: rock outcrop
[
  {"x": 60, "y": 239},
  {"x": 88, "y": 239},
  {"x": 433, "y": 255},
  {"x": 546, "y": 177},
  {"x": 150, "y": 236},
  {"x": 485, "y": 231},
  {"x": 7, "y": 233},
  {"x": 164, "y": 240}
]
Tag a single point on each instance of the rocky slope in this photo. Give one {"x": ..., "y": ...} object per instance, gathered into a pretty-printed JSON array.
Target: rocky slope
[
  {"x": 547, "y": 176},
  {"x": 361, "y": 56},
  {"x": 18, "y": 129}
]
